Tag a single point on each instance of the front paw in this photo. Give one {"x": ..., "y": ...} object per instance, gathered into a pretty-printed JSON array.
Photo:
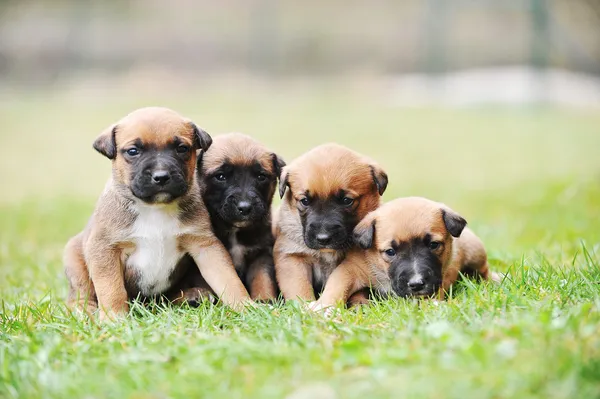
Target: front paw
[
  {"x": 321, "y": 308},
  {"x": 111, "y": 315},
  {"x": 195, "y": 296}
]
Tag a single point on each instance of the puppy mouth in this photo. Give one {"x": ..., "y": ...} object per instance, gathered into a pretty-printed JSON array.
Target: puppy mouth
[
  {"x": 241, "y": 223},
  {"x": 330, "y": 247}
]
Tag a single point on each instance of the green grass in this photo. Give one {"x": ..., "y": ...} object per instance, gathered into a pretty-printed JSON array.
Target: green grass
[{"x": 528, "y": 181}]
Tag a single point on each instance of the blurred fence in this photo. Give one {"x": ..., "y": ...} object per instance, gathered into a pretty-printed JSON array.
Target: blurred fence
[{"x": 45, "y": 40}]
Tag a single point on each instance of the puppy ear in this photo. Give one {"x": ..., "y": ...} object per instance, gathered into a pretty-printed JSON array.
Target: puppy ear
[
  {"x": 106, "y": 143},
  {"x": 278, "y": 164},
  {"x": 455, "y": 223},
  {"x": 364, "y": 232},
  {"x": 283, "y": 182},
  {"x": 199, "y": 160},
  {"x": 379, "y": 178},
  {"x": 201, "y": 138}
]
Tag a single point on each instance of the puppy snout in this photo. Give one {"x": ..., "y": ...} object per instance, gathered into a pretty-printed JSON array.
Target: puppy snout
[
  {"x": 323, "y": 238},
  {"x": 416, "y": 283},
  {"x": 244, "y": 208},
  {"x": 161, "y": 177}
]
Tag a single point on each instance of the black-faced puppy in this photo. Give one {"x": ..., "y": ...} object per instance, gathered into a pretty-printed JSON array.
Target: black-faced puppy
[
  {"x": 413, "y": 247},
  {"x": 150, "y": 221},
  {"x": 421, "y": 246},
  {"x": 325, "y": 192},
  {"x": 238, "y": 178}
]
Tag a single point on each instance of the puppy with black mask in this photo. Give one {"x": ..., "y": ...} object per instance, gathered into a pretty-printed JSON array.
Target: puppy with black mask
[
  {"x": 150, "y": 227},
  {"x": 238, "y": 177},
  {"x": 326, "y": 192},
  {"x": 413, "y": 247}
]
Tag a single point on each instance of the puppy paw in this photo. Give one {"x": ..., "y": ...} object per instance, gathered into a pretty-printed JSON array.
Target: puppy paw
[
  {"x": 111, "y": 316},
  {"x": 496, "y": 277},
  {"x": 321, "y": 308}
]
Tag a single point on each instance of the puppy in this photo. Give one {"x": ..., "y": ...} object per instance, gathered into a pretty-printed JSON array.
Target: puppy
[
  {"x": 150, "y": 224},
  {"x": 325, "y": 192},
  {"x": 238, "y": 178},
  {"x": 415, "y": 247}
]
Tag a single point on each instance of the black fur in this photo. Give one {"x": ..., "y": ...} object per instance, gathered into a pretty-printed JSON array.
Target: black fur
[
  {"x": 380, "y": 179},
  {"x": 106, "y": 144},
  {"x": 202, "y": 139},
  {"x": 327, "y": 223},
  {"x": 455, "y": 223},
  {"x": 415, "y": 269},
  {"x": 242, "y": 229},
  {"x": 364, "y": 236},
  {"x": 158, "y": 174}
]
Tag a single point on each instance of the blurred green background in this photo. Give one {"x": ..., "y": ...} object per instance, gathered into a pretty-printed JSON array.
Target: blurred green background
[{"x": 492, "y": 107}]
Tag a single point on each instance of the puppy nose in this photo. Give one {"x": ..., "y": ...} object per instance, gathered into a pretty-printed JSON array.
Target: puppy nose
[
  {"x": 416, "y": 283},
  {"x": 323, "y": 238},
  {"x": 161, "y": 177},
  {"x": 244, "y": 208}
]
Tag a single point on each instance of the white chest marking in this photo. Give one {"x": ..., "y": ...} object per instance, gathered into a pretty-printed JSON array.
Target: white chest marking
[
  {"x": 156, "y": 252},
  {"x": 236, "y": 251}
]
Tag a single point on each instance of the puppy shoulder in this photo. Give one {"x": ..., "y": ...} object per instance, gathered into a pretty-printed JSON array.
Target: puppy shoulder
[{"x": 112, "y": 216}]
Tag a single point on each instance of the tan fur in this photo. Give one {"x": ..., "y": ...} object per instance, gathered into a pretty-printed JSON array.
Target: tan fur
[
  {"x": 401, "y": 220},
  {"x": 323, "y": 171},
  {"x": 239, "y": 149},
  {"x": 95, "y": 258}
]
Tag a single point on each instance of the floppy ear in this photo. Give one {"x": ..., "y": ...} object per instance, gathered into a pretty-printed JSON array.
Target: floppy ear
[
  {"x": 283, "y": 182},
  {"x": 278, "y": 164},
  {"x": 201, "y": 138},
  {"x": 364, "y": 232},
  {"x": 199, "y": 160},
  {"x": 106, "y": 144},
  {"x": 380, "y": 178},
  {"x": 455, "y": 223}
]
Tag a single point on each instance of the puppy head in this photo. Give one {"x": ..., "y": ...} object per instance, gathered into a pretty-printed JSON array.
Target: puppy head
[
  {"x": 332, "y": 188},
  {"x": 412, "y": 239},
  {"x": 153, "y": 153},
  {"x": 239, "y": 176}
]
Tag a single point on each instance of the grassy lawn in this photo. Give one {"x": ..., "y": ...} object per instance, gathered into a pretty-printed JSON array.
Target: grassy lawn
[{"x": 528, "y": 181}]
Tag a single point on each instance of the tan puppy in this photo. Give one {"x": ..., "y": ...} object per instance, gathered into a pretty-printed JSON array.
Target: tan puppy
[
  {"x": 149, "y": 220},
  {"x": 331, "y": 188},
  {"x": 238, "y": 178},
  {"x": 414, "y": 247}
]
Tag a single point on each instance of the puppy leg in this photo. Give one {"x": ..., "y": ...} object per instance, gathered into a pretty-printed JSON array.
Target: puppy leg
[
  {"x": 450, "y": 277},
  {"x": 81, "y": 290},
  {"x": 345, "y": 280},
  {"x": 359, "y": 298},
  {"x": 294, "y": 276},
  {"x": 217, "y": 269},
  {"x": 192, "y": 289},
  {"x": 260, "y": 279},
  {"x": 107, "y": 274}
]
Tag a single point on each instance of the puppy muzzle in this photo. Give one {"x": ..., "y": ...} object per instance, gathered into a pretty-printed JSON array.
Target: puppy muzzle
[{"x": 159, "y": 186}]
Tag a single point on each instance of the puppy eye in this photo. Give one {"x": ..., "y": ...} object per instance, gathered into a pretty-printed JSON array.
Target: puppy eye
[
  {"x": 390, "y": 252},
  {"x": 305, "y": 201},
  {"x": 433, "y": 245},
  {"x": 347, "y": 201},
  {"x": 182, "y": 148},
  {"x": 133, "y": 151},
  {"x": 220, "y": 177},
  {"x": 261, "y": 177}
]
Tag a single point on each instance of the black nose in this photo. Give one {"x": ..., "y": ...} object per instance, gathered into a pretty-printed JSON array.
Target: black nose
[
  {"x": 416, "y": 284},
  {"x": 161, "y": 177},
  {"x": 323, "y": 238},
  {"x": 244, "y": 208}
]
